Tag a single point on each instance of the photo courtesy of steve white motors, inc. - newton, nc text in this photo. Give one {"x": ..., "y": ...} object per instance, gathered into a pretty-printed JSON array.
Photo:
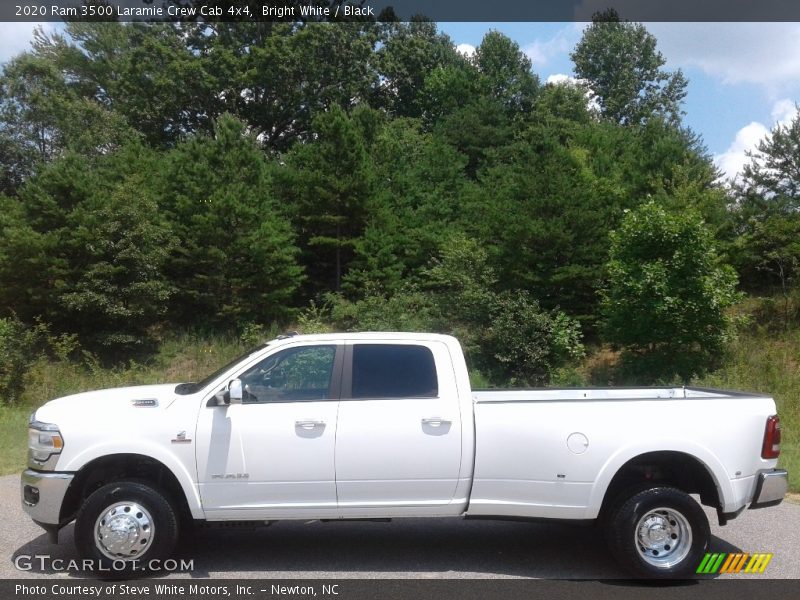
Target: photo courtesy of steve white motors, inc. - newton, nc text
[{"x": 399, "y": 299}]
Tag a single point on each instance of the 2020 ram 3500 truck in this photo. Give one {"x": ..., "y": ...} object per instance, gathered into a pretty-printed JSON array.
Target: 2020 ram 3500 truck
[{"x": 383, "y": 425}]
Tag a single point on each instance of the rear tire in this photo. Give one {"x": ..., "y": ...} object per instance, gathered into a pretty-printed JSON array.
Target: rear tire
[
  {"x": 659, "y": 533},
  {"x": 124, "y": 525}
]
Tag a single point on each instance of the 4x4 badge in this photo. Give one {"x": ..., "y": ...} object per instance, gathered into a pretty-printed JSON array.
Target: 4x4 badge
[{"x": 181, "y": 438}]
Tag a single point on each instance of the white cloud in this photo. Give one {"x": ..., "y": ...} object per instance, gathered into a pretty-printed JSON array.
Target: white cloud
[
  {"x": 467, "y": 50},
  {"x": 542, "y": 52},
  {"x": 560, "y": 79},
  {"x": 17, "y": 37},
  {"x": 783, "y": 111},
  {"x": 767, "y": 54},
  {"x": 734, "y": 158}
]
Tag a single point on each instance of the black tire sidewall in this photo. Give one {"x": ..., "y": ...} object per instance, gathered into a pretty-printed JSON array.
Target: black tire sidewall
[
  {"x": 622, "y": 528},
  {"x": 165, "y": 525}
]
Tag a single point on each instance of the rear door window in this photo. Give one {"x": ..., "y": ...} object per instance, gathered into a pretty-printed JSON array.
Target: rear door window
[{"x": 394, "y": 371}]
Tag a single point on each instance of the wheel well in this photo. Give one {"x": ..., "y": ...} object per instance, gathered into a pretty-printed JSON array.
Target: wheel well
[
  {"x": 118, "y": 467},
  {"x": 676, "y": 469}
]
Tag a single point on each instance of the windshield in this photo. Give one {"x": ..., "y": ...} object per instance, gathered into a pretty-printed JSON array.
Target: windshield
[{"x": 193, "y": 387}]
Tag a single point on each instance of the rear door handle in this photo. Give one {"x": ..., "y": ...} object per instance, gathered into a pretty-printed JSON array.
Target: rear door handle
[
  {"x": 435, "y": 421},
  {"x": 309, "y": 424}
]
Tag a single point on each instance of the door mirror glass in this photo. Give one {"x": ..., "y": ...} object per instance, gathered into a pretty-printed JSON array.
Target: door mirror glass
[{"x": 235, "y": 391}]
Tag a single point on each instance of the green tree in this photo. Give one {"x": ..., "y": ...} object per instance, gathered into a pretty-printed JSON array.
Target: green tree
[
  {"x": 544, "y": 215},
  {"x": 277, "y": 77},
  {"x": 564, "y": 100},
  {"x": 507, "y": 72},
  {"x": 448, "y": 89},
  {"x": 477, "y": 130},
  {"x": 327, "y": 185},
  {"x": 767, "y": 254},
  {"x": 44, "y": 113},
  {"x": 83, "y": 247},
  {"x": 667, "y": 295},
  {"x": 236, "y": 259},
  {"x": 764, "y": 203},
  {"x": 621, "y": 65},
  {"x": 773, "y": 172},
  {"x": 415, "y": 202},
  {"x": 118, "y": 293},
  {"x": 408, "y": 54},
  {"x": 147, "y": 73}
]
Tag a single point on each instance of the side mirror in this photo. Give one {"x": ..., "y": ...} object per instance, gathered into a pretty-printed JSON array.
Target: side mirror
[{"x": 235, "y": 391}]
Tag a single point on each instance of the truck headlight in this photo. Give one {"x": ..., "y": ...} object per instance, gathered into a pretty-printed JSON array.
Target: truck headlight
[{"x": 44, "y": 440}]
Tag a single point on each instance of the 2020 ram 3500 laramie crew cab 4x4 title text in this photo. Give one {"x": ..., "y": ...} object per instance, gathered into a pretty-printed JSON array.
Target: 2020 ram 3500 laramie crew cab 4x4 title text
[{"x": 384, "y": 425}]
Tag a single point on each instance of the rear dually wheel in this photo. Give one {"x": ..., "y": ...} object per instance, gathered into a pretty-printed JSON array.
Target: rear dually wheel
[{"x": 659, "y": 533}]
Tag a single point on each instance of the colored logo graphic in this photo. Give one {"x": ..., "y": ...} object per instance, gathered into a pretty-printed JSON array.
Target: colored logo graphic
[{"x": 734, "y": 563}]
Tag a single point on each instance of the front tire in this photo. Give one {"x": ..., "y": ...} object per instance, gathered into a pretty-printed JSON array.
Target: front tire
[
  {"x": 659, "y": 533},
  {"x": 124, "y": 525}
]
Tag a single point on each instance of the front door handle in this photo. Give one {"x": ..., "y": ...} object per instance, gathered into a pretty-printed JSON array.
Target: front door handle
[
  {"x": 435, "y": 421},
  {"x": 309, "y": 424}
]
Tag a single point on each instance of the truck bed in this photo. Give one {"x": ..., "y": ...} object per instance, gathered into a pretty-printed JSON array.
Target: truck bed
[
  {"x": 606, "y": 394},
  {"x": 552, "y": 452}
]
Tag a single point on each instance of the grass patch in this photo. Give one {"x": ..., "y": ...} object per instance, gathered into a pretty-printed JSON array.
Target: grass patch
[
  {"x": 13, "y": 438},
  {"x": 768, "y": 363}
]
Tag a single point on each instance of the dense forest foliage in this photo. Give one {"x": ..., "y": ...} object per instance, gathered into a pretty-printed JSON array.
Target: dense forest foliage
[{"x": 227, "y": 177}]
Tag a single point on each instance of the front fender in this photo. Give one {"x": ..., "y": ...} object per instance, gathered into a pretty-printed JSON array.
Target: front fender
[{"x": 176, "y": 464}]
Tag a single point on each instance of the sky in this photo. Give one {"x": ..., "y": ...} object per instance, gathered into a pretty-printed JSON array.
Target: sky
[{"x": 744, "y": 78}]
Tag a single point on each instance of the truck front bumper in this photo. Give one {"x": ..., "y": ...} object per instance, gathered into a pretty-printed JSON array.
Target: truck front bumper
[
  {"x": 771, "y": 487},
  {"x": 42, "y": 496}
]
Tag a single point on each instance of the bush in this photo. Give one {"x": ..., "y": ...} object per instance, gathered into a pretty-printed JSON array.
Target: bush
[
  {"x": 18, "y": 345},
  {"x": 314, "y": 319},
  {"x": 668, "y": 294},
  {"x": 407, "y": 310},
  {"x": 524, "y": 344}
]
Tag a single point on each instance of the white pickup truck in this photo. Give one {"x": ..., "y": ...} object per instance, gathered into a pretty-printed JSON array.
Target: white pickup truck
[{"x": 385, "y": 425}]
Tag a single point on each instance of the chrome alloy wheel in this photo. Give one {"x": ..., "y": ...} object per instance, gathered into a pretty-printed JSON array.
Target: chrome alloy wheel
[
  {"x": 663, "y": 537},
  {"x": 124, "y": 531}
]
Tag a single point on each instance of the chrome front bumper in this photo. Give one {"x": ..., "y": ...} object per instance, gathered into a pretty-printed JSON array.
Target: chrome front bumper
[
  {"x": 771, "y": 487},
  {"x": 42, "y": 495}
]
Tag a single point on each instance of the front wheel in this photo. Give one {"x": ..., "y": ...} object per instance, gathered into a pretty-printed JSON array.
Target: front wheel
[
  {"x": 125, "y": 525},
  {"x": 659, "y": 533}
]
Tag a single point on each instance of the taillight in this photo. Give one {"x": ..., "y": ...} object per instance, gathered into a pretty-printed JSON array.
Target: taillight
[{"x": 772, "y": 438}]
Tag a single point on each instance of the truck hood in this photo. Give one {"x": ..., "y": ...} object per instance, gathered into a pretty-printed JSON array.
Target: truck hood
[{"x": 112, "y": 400}]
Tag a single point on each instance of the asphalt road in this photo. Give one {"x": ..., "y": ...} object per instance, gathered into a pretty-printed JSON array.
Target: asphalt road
[{"x": 406, "y": 548}]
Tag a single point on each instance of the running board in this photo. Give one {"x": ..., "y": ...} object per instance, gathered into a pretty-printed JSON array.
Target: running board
[{"x": 366, "y": 519}]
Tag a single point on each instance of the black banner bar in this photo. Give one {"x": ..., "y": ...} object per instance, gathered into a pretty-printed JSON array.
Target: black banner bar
[
  {"x": 403, "y": 10},
  {"x": 394, "y": 589}
]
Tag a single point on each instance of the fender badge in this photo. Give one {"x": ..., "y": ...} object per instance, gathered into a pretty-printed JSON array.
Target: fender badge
[
  {"x": 145, "y": 403},
  {"x": 181, "y": 438}
]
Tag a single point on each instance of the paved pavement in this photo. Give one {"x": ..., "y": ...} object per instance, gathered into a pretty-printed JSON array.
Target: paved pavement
[{"x": 406, "y": 548}]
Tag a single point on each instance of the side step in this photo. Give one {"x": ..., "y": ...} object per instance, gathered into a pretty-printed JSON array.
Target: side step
[
  {"x": 365, "y": 519},
  {"x": 232, "y": 524}
]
